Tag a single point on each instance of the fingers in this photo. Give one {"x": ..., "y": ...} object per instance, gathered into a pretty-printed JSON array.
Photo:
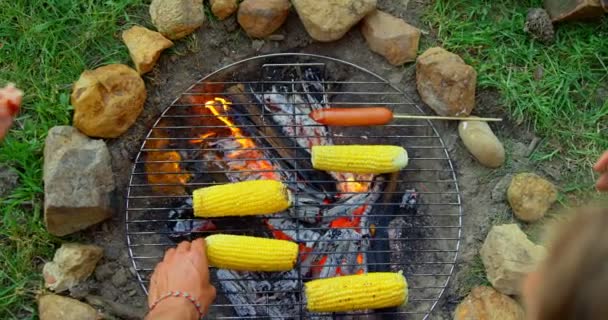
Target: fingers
[
  {"x": 198, "y": 245},
  {"x": 198, "y": 256},
  {"x": 169, "y": 254},
  {"x": 183, "y": 247},
  {"x": 602, "y": 163},
  {"x": 602, "y": 183}
]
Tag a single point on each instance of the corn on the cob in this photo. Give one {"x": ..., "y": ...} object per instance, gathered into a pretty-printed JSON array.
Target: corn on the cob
[
  {"x": 241, "y": 199},
  {"x": 245, "y": 253},
  {"x": 356, "y": 292},
  {"x": 359, "y": 159}
]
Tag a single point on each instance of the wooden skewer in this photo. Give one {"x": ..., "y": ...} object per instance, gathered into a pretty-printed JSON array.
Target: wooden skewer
[{"x": 407, "y": 116}]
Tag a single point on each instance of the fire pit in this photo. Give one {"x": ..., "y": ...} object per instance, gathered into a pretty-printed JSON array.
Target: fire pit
[{"x": 249, "y": 121}]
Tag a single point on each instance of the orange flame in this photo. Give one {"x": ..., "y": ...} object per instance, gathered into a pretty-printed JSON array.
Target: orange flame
[{"x": 256, "y": 162}]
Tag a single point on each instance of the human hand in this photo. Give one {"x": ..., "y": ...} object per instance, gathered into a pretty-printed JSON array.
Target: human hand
[
  {"x": 10, "y": 100},
  {"x": 602, "y": 168},
  {"x": 184, "y": 269}
]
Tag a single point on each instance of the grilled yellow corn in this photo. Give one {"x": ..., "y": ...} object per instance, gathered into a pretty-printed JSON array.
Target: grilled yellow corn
[
  {"x": 241, "y": 199},
  {"x": 359, "y": 159},
  {"x": 356, "y": 292},
  {"x": 250, "y": 253}
]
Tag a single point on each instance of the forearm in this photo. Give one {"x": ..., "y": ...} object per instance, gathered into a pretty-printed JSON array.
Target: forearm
[{"x": 174, "y": 309}]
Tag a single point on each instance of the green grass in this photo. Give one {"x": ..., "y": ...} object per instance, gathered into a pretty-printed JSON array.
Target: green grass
[
  {"x": 45, "y": 45},
  {"x": 567, "y": 106}
]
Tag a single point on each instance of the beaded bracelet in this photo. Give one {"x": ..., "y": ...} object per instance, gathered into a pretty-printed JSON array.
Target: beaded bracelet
[{"x": 177, "y": 294}]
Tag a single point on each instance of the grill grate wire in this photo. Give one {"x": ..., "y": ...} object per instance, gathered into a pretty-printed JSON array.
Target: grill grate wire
[{"x": 428, "y": 239}]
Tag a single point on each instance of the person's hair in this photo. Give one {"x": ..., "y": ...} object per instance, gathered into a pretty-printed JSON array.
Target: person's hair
[{"x": 574, "y": 280}]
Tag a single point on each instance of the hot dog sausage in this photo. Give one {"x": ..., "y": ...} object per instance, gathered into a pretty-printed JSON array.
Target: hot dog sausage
[{"x": 371, "y": 116}]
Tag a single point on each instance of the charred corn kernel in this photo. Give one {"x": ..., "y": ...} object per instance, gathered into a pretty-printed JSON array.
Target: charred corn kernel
[
  {"x": 359, "y": 159},
  {"x": 357, "y": 292},
  {"x": 245, "y": 253},
  {"x": 241, "y": 199}
]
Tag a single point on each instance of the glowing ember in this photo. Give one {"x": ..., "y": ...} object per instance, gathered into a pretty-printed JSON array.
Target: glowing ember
[
  {"x": 351, "y": 185},
  {"x": 166, "y": 176}
]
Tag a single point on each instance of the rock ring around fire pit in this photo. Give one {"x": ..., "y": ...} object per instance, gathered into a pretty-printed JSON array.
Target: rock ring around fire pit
[{"x": 249, "y": 121}]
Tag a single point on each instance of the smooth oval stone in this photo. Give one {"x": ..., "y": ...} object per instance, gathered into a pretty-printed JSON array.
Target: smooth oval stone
[{"x": 481, "y": 142}]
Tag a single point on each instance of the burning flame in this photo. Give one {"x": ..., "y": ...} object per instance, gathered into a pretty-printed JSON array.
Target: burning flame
[{"x": 255, "y": 162}]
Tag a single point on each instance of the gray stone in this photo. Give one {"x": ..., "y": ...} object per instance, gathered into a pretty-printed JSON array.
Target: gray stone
[
  {"x": 176, "y": 19},
  {"x": 499, "y": 192},
  {"x": 54, "y": 307},
  {"x": 120, "y": 278},
  {"x": 105, "y": 271},
  {"x": 78, "y": 181},
  {"x": 539, "y": 25},
  {"x": 508, "y": 256},
  {"x": 72, "y": 264},
  {"x": 329, "y": 20},
  {"x": 8, "y": 181}
]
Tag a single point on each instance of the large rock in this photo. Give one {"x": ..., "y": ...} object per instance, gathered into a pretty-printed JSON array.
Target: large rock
[
  {"x": 78, "y": 181},
  {"x": 260, "y": 18},
  {"x": 565, "y": 10},
  {"x": 72, "y": 264},
  {"x": 329, "y": 20},
  {"x": 508, "y": 256},
  {"x": 107, "y": 100},
  {"x": 485, "y": 303},
  {"x": 391, "y": 37},
  {"x": 54, "y": 307},
  {"x": 530, "y": 196},
  {"x": 481, "y": 142},
  {"x": 445, "y": 83},
  {"x": 145, "y": 47},
  {"x": 176, "y": 19},
  {"x": 222, "y": 9}
]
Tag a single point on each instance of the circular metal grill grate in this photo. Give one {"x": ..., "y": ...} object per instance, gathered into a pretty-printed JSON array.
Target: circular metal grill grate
[{"x": 249, "y": 120}]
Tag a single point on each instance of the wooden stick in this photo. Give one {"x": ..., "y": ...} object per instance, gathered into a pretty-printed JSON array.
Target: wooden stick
[{"x": 407, "y": 116}]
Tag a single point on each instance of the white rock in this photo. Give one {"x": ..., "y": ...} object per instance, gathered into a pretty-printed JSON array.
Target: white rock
[
  {"x": 72, "y": 264},
  {"x": 78, "y": 181},
  {"x": 508, "y": 256},
  {"x": 481, "y": 142}
]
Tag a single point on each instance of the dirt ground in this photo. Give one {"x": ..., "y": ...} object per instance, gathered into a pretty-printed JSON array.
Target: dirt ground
[{"x": 220, "y": 43}]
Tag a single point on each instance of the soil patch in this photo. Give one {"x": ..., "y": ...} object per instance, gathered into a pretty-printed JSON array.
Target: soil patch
[{"x": 220, "y": 43}]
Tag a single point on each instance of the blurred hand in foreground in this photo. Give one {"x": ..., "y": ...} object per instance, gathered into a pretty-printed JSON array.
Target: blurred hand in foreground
[
  {"x": 602, "y": 168},
  {"x": 10, "y": 101}
]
